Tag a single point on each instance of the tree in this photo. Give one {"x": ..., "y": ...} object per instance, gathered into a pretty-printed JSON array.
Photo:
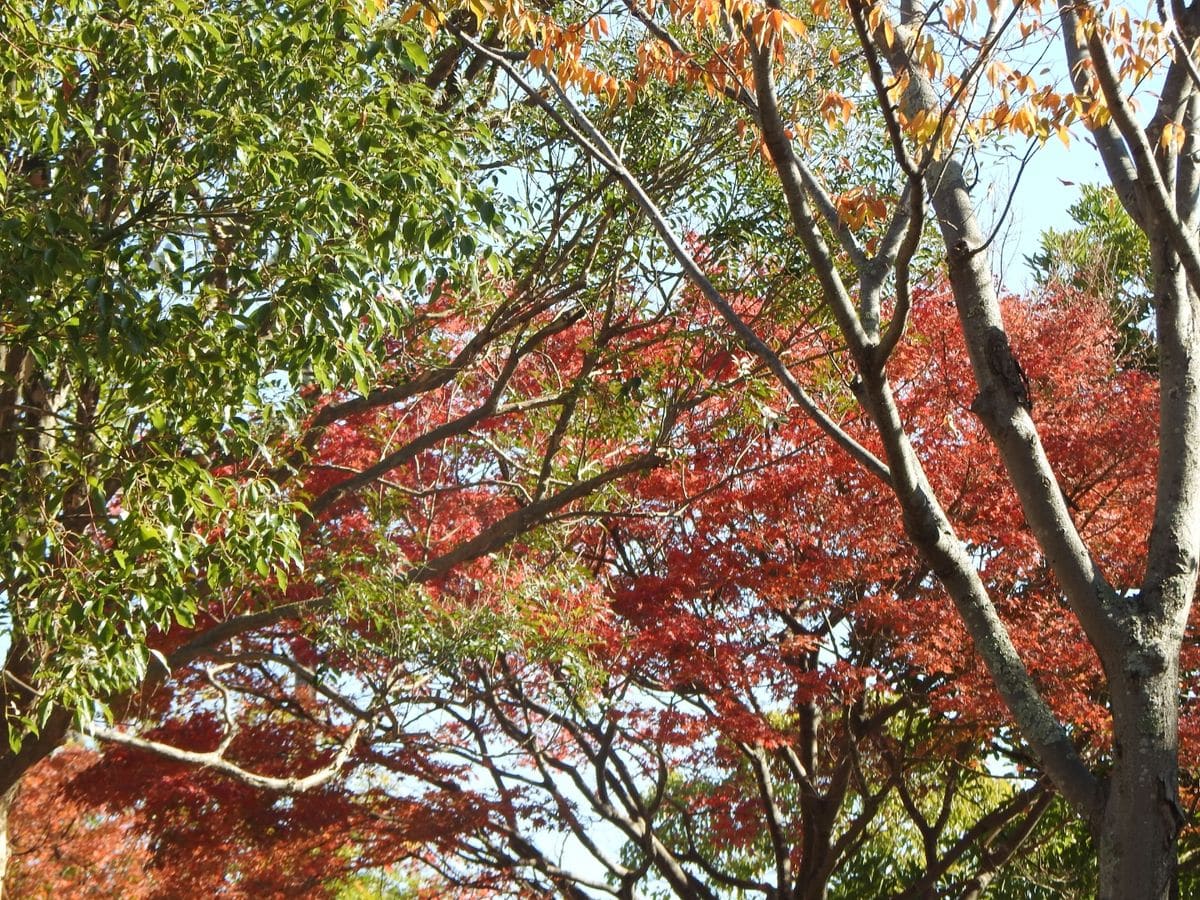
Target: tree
[
  {"x": 488, "y": 406},
  {"x": 227, "y": 234},
  {"x": 933, "y": 82},
  {"x": 172, "y": 263},
  {"x": 719, "y": 670},
  {"x": 936, "y": 81}
]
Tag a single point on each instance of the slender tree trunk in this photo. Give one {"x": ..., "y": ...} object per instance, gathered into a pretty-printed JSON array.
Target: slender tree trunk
[{"x": 1142, "y": 816}]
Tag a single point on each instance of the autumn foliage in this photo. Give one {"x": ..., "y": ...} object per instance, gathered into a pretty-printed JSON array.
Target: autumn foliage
[
  {"x": 636, "y": 477},
  {"x": 750, "y": 609}
]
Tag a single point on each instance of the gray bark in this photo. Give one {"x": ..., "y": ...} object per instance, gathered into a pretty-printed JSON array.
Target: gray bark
[{"x": 1136, "y": 840}]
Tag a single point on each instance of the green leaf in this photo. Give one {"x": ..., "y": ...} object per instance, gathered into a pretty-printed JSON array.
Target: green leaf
[
  {"x": 322, "y": 146},
  {"x": 416, "y": 54}
]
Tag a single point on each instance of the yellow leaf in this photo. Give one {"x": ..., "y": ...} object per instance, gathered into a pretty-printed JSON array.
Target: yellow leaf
[
  {"x": 430, "y": 20},
  {"x": 794, "y": 25},
  {"x": 1024, "y": 120},
  {"x": 1173, "y": 136}
]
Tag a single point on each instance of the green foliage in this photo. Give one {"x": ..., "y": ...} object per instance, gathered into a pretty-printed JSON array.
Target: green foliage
[
  {"x": 1058, "y": 861},
  {"x": 202, "y": 208},
  {"x": 894, "y": 855},
  {"x": 1106, "y": 256},
  {"x": 378, "y": 885}
]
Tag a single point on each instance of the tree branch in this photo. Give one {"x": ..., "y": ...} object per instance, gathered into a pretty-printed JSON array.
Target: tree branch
[
  {"x": 215, "y": 760},
  {"x": 594, "y": 144}
]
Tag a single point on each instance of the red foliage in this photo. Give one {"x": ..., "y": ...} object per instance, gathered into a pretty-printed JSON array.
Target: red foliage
[
  {"x": 760, "y": 573},
  {"x": 64, "y": 846}
]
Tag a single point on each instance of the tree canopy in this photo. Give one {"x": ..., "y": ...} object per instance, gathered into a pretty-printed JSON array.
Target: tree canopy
[{"x": 498, "y": 449}]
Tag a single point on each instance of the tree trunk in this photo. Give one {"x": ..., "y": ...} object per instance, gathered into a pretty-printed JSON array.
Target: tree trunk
[{"x": 1142, "y": 817}]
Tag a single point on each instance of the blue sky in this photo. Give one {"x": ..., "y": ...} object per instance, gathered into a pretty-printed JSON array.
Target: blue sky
[{"x": 1044, "y": 192}]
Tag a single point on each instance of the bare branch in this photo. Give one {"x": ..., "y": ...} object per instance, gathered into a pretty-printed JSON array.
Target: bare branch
[{"x": 216, "y": 760}]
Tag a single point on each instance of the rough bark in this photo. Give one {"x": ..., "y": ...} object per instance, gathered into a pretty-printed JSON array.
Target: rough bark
[{"x": 1142, "y": 817}]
